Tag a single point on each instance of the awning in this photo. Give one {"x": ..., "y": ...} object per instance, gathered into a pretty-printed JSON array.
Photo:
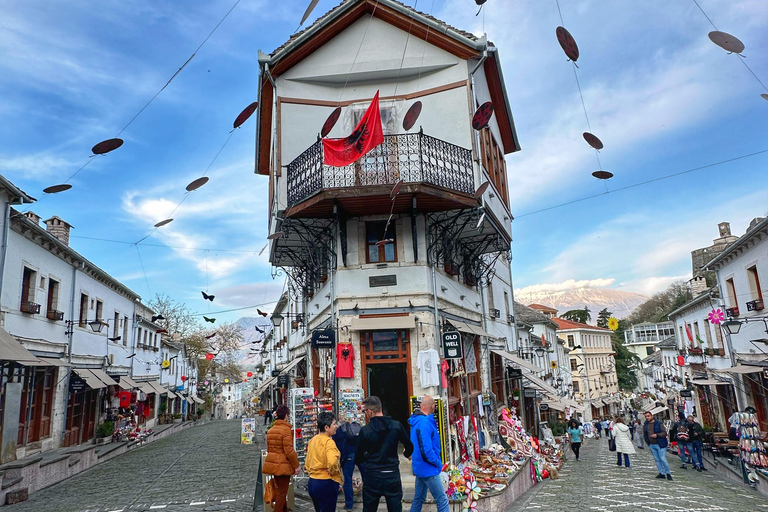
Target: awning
[
  {"x": 468, "y": 328},
  {"x": 12, "y": 350},
  {"x": 517, "y": 361},
  {"x": 554, "y": 404},
  {"x": 264, "y": 386},
  {"x": 52, "y": 361},
  {"x": 146, "y": 387},
  {"x": 198, "y": 399},
  {"x": 710, "y": 382},
  {"x": 93, "y": 381},
  {"x": 649, "y": 406},
  {"x": 543, "y": 386},
  {"x": 292, "y": 364},
  {"x": 127, "y": 383},
  {"x": 103, "y": 377},
  {"x": 570, "y": 403},
  {"x": 741, "y": 369},
  {"x": 171, "y": 394},
  {"x": 160, "y": 390},
  {"x": 381, "y": 323},
  {"x": 657, "y": 410}
]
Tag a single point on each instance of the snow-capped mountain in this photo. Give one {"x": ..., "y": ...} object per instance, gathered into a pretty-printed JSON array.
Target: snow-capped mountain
[{"x": 618, "y": 302}]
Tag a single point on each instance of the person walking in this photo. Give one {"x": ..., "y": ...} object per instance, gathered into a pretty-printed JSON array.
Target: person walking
[
  {"x": 598, "y": 429},
  {"x": 623, "y": 441},
  {"x": 697, "y": 434},
  {"x": 282, "y": 461},
  {"x": 377, "y": 451},
  {"x": 346, "y": 441},
  {"x": 639, "y": 437},
  {"x": 574, "y": 433},
  {"x": 427, "y": 462},
  {"x": 680, "y": 433},
  {"x": 268, "y": 417},
  {"x": 655, "y": 435},
  {"x": 323, "y": 465}
]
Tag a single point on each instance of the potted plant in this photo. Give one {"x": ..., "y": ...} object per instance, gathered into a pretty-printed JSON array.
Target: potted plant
[
  {"x": 177, "y": 417},
  {"x": 516, "y": 393},
  {"x": 163, "y": 409},
  {"x": 104, "y": 432}
]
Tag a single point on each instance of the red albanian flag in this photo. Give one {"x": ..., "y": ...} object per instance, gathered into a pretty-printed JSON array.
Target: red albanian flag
[{"x": 367, "y": 135}]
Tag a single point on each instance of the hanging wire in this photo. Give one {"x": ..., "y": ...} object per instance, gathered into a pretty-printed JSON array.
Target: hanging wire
[
  {"x": 146, "y": 279},
  {"x": 352, "y": 67}
]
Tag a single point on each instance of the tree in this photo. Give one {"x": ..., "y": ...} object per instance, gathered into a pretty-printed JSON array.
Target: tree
[
  {"x": 578, "y": 315},
  {"x": 225, "y": 342},
  {"x": 657, "y": 308},
  {"x": 602, "y": 318},
  {"x": 177, "y": 317},
  {"x": 624, "y": 359}
]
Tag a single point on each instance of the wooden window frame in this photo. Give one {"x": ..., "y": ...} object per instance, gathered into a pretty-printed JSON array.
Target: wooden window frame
[
  {"x": 28, "y": 286},
  {"x": 83, "y": 320},
  {"x": 493, "y": 160},
  {"x": 54, "y": 287},
  {"x": 379, "y": 225},
  {"x": 753, "y": 280}
]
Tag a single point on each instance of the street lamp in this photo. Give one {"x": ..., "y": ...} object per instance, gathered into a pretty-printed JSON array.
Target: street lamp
[
  {"x": 277, "y": 319},
  {"x": 539, "y": 352},
  {"x": 559, "y": 381},
  {"x": 732, "y": 326},
  {"x": 96, "y": 325}
]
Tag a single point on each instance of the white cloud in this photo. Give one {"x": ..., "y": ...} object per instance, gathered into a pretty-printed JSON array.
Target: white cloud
[
  {"x": 567, "y": 285},
  {"x": 39, "y": 166},
  {"x": 650, "y": 285}
]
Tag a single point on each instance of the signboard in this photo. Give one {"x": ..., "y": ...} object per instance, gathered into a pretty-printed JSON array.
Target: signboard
[
  {"x": 324, "y": 339},
  {"x": 275, "y": 373},
  {"x": 530, "y": 393},
  {"x": 514, "y": 373},
  {"x": 544, "y": 407},
  {"x": 388, "y": 280},
  {"x": 76, "y": 384},
  {"x": 247, "y": 430},
  {"x": 283, "y": 380},
  {"x": 452, "y": 345},
  {"x": 686, "y": 393}
]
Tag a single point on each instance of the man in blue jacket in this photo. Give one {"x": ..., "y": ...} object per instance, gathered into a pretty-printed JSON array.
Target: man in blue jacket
[{"x": 427, "y": 463}]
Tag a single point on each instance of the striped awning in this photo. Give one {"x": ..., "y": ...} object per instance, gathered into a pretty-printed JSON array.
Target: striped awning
[
  {"x": 103, "y": 377},
  {"x": 92, "y": 380},
  {"x": 127, "y": 383}
]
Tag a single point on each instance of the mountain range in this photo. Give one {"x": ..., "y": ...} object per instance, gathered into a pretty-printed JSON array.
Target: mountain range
[{"x": 618, "y": 302}]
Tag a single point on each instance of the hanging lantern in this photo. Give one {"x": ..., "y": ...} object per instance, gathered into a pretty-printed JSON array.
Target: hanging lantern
[{"x": 226, "y": 381}]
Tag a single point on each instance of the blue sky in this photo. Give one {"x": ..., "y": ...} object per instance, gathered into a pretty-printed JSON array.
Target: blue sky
[{"x": 660, "y": 95}]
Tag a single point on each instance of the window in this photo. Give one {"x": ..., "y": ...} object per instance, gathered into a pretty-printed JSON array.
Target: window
[
  {"x": 491, "y": 302},
  {"x": 719, "y": 336},
  {"x": 383, "y": 252},
  {"x": 575, "y": 386},
  {"x": 387, "y": 110},
  {"x": 42, "y": 283},
  {"x": 730, "y": 290},
  {"x": 28, "y": 282},
  {"x": 493, "y": 160},
  {"x": 754, "y": 283},
  {"x": 53, "y": 295},
  {"x": 116, "y": 326},
  {"x": 696, "y": 335},
  {"x": 125, "y": 331},
  {"x": 574, "y": 366},
  {"x": 138, "y": 338},
  {"x": 506, "y": 306},
  {"x": 570, "y": 341},
  {"x": 708, "y": 332},
  {"x": 99, "y": 309},
  {"x": 83, "y": 309},
  {"x": 648, "y": 350}
]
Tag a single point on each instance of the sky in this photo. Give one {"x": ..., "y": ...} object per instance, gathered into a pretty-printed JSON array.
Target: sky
[{"x": 659, "y": 94}]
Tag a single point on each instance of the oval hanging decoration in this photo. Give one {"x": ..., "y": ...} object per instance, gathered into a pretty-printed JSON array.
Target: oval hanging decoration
[
  {"x": 106, "y": 146},
  {"x": 209, "y": 356},
  {"x": 163, "y": 223},
  {"x": 55, "y": 189},
  {"x": 411, "y": 116},
  {"x": 165, "y": 364},
  {"x": 330, "y": 122},
  {"x": 764, "y": 96},
  {"x": 593, "y": 141},
  {"x": 249, "y": 374},
  {"x": 567, "y": 43},
  {"x": 183, "y": 378},
  {"x": 602, "y": 175},
  {"x": 199, "y": 182},
  {"x": 726, "y": 41},
  {"x": 245, "y": 114},
  {"x": 482, "y": 115}
]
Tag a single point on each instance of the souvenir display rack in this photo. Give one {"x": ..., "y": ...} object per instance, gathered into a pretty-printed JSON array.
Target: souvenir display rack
[
  {"x": 303, "y": 418},
  {"x": 751, "y": 445},
  {"x": 351, "y": 405}
]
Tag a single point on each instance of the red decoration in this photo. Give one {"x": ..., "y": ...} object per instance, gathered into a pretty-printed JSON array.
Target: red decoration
[
  {"x": 183, "y": 378},
  {"x": 106, "y": 146},
  {"x": 245, "y": 114},
  {"x": 411, "y": 116},
  {"x": 367, "y": 135},
  {"x": 568, "y": 43},
  {"x": 209, "y": 356},
  {"x": 680, "y": 361},
  {"x": 482, "y": 115},
  {"x": 329, "y": 124},
  {"x": 249, "y": 374}
]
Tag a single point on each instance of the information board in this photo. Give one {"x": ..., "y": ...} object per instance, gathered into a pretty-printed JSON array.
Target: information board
[{"x": 247, "y": 430}]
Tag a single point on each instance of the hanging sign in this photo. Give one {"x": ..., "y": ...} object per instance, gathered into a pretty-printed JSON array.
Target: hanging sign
[
  {"x": 283, "y": 380},
  {"x": 530, "y": 393},
  {"x": 275, "y": 373},
  {"x": 325, "y": 338},
  {"x": 76, "y": 384},
  {"x": 452, "y": 345},
  {"x": 544, "y": 407}
]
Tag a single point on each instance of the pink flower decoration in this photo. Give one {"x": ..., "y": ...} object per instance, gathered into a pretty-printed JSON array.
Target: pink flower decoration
[{"x": 716, "y": 316}]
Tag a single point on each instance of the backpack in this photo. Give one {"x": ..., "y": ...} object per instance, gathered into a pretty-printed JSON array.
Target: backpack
[
  {"x": 682, "y": 433},
  {"x": 351, "y": 428}
]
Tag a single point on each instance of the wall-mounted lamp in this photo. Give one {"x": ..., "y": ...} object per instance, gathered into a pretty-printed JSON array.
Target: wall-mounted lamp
[
  {"x": 444, "y": 288},
  {"x": 462, "y": 297}
]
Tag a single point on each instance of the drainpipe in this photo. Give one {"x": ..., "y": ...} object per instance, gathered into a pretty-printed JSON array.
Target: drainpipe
[
  {"x": 438, "y": 342},
  {"x": 476, "y": 134},
  {"x": 6, "y": 227},
  {"x": 739, "y": 384},
  {"x": 334, "y": 321}
]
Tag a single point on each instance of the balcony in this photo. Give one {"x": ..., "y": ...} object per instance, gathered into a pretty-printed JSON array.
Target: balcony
[
  {"x": 30, "y": 307},
  {"x": 755, "y": 305},
  {"x": 52, "y": 314},
  {"x": 439, "y": 174},
  {"x": 734, "y": 311}
]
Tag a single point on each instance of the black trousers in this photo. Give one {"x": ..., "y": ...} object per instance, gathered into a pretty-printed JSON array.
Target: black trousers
[
  {"x": 576, "y": 447},
  {"x": 382, "y": 483}
]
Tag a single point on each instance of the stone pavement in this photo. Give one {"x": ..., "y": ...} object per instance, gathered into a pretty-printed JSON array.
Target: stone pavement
[
  {"x": 596, "y": 483},
  {"x": 204, "y": 468}
]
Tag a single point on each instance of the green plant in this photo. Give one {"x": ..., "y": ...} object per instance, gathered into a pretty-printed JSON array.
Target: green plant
[
  {"x": 558, "y": 428},
  {"x": 177, "y": 416},
  {"x": 105, "y": 429},
  {"x": 163, "y": 407}
]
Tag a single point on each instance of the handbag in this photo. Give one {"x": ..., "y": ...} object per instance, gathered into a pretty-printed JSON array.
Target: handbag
[{"x": 612, "y": 445}]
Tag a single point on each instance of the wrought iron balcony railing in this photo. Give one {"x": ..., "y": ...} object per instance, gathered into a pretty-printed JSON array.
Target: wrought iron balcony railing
[{"x": 412, "y": 157}]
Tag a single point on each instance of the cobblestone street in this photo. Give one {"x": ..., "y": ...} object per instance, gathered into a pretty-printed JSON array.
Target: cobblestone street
[
  {"x": 595, "y": 483},
  {"x": 200, "y": 468}
]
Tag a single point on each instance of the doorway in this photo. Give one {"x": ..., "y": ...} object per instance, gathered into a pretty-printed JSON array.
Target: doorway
[{"x": 389, "y": 382}]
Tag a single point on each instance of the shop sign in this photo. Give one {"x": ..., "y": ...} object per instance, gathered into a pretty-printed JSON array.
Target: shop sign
[
  {"x": 275, "y": 373},
  {"x": 76, "y": 384},
  {"x": 514, "y": 373},
  {"x": 544, "y": 407},
  {"x": 179, "y": 388},
  {"x": 530, "y": 393},
  {"x": 686, "y": 393},
  {"x": 283, "y": 380},
  {"x": 324, "y": 339},
  {"x": 452, "y": 345}
]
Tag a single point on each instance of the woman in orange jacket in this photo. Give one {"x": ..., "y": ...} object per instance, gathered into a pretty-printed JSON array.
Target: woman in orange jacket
[{"x": 282, "y": 461}]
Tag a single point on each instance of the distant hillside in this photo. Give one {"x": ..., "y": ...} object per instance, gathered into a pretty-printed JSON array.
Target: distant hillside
[{"x": 619, "y": 303}]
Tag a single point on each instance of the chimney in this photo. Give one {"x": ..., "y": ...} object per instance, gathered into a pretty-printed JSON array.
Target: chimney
[
  {"x": 33, "y": 217},
  {"x": 755, "y": 222},
  {"x": 698, "y": 285},
  {"x": 725, "y": 229},
  {"x": 59, "y": 229}
]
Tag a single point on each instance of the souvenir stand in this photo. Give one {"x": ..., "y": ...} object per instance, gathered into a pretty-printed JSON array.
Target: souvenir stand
[
  {"x": 351, "y": 406},
  {"x": 303, "y": 409},
  {"x": 751, "y": 447}
]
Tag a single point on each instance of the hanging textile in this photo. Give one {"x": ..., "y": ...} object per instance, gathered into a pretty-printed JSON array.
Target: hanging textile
[
  {"x": 429, "y": 374},
  {"x": 367, "y": 135},
  {"x": 470, "y": 361},
  {"x": 345, "y": 360}
]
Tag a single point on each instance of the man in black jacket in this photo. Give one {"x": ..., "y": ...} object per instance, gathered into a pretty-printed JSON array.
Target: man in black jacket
[
  {"x": 697, "y": 440},
  {"x": 377, "y": 450}
]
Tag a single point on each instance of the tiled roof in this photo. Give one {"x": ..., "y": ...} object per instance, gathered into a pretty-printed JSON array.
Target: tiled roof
[
  {"x": 670, "y": 342},
  {"x": 528, "y": 315},
  {"x": 562, "y": 323},
  {"x": 407, "y": 8},
  {"x": 541, "y": 307}
]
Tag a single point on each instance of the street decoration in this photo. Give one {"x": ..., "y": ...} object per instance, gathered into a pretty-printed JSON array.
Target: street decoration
[
  {"x": 55, "y": 189},
  {"x": 183, "y": 378},
  {"x": 603, "y": 175},
  {"x": 209, "y": 320},
  {"x": 208, "y": 297},
  {"x": 716, "y": 316},
  {"x": 105, "y": 146},
  {"x": 226, "y": 381},
  {"x": 553, "y": 365},
  {"x": 163, "y": 223},
  {"x": 726, "y": 41},
  {"x": 209, "y": 356},
  {"x": 613, "y": 323},
  {"x": 165, "y": 364},
  {"x": 309, "y": 10},
  {"x": 330, "y": 122},
  {"x": 764, "y": 96},
  {"x": 199, "y": 182},
  {"x": 275, "y": 235},
  {"x": 366, "y": 136},
  {"x": 688, "y": 332},
  {"x": 245, "y": 114},
  {"x": 482, "y": 116},
  {"x": 567, "y": 43},
  {"x": 249, "y": 374},
  {"x": 411, "y": 116},
  {"x": 210, "y": 336},
  {"x": 593, "y": 141},
  {"x": 481, "y": 190},
  {"x": 261, "y": 312}
]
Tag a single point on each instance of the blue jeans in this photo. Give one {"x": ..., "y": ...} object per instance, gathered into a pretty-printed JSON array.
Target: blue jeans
[
  {"x": 696, "y": 453},
  {"x": 323, "y": 494},
  {"x": 435, "y": 486},
  {"x": 348, "y": 469},
  {"x": 626, "y": 459},
  {"x": 681, "y": 447},
  {"x": 660, "y": 456}
]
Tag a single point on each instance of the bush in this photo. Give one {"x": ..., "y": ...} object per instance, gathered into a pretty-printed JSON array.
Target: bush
[
  {"x": 105, "y": 429},
  {"x": 558, "y": 428},
  {"x": 177, "y": 416}
]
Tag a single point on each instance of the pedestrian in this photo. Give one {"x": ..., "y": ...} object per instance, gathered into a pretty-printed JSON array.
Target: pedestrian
[
  {"x": 323, "y": 464},
  {"x": 639, "y": 437},
  {"x": 697, "y": 434},
  {"x": 346, "y": 440},
  {"x": 655, "y": 435},
  {"x": 623, "y": 441},
  {"x": 574, "y": 432},
  {"x": 680, "y": 433},
  {"x": 377, "y": 450},
  {"x": 282, "y": 461},
  {"x": 607, "y": 428},
  {"x": 631, "y": 426},
  {"x": 598, "y": 429},
  {"x": 427, "y": 462},
  {"x": 268, "y": 417}
]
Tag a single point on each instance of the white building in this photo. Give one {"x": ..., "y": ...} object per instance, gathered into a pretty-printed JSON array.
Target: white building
[{"x": 641, "y": 338}]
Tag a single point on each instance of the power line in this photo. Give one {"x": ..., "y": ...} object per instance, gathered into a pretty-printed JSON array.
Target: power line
[
  {"x": 667, "y": 176},
  {"x": 126, "y": 242}
]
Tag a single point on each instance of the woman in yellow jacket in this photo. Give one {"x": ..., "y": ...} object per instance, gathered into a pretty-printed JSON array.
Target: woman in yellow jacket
[{"x": 323, "y": 466}]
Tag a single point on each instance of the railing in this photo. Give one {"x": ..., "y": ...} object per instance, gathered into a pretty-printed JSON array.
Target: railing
[
  {"x": 755, "y": 305},
  {"x": 413, "y": 158}
]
